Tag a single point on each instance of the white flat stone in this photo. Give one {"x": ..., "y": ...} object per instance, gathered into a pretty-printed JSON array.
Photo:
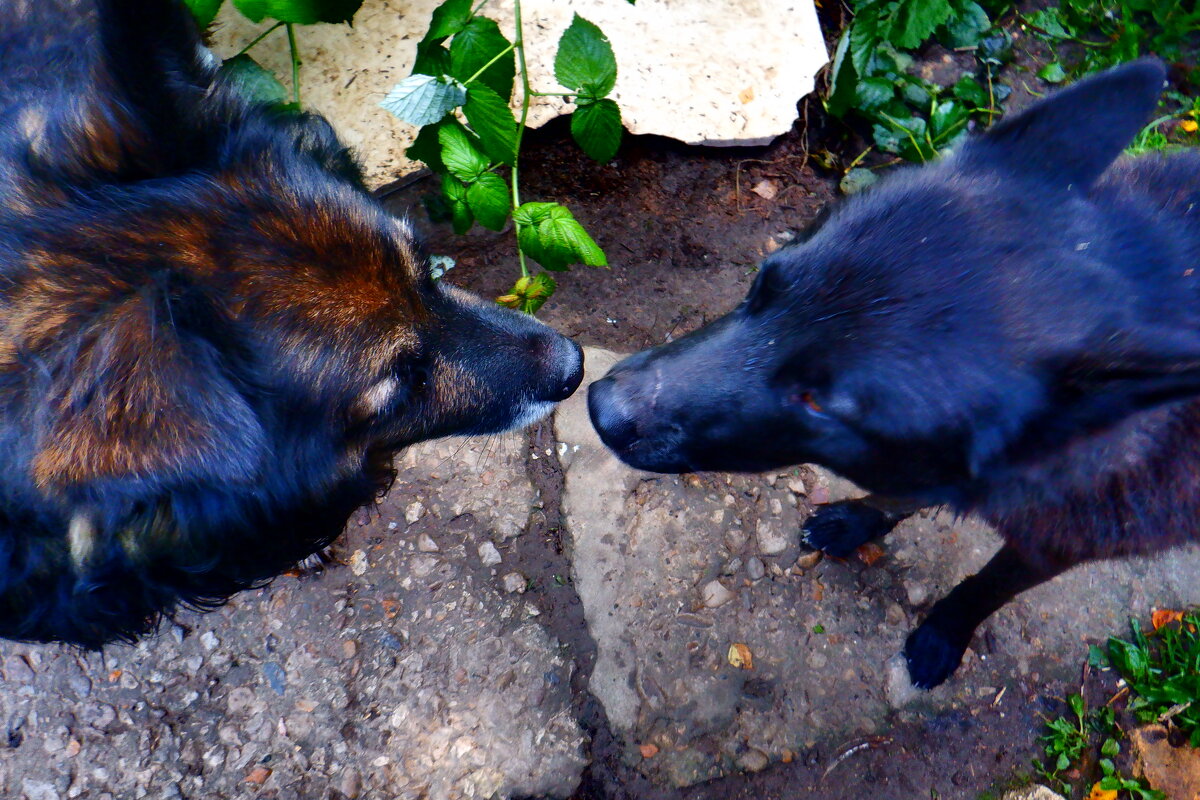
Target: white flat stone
[{"x": 715, "y": 72}]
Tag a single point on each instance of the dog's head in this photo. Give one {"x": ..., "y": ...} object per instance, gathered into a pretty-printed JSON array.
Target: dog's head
[
  {"x": 929, "y": 325},
  {"x": 214, "y": 338}
]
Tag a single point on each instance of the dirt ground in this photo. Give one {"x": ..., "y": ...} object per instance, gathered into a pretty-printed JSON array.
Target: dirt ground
[{"x": 684, "y": 231}]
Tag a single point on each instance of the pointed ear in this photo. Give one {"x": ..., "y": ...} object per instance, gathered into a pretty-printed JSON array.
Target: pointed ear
[
  {"x": 1134, "y": 370},
  {"x": 144, "y": 404},
  {"x": 1072, "y": 136}
]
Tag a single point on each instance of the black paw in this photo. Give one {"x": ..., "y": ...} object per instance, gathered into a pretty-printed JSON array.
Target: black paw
[
  {"x": 838, "y": 529},
  {"x": 933, "y": 654}
]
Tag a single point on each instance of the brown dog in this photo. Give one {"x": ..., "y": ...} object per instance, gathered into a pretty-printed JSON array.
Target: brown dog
[{"x": 213, "y": 338}]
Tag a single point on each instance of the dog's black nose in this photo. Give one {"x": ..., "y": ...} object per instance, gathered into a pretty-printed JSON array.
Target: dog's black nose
[
  {"x": 610, "y": 416},
  {"x": 564, "y": 370}
]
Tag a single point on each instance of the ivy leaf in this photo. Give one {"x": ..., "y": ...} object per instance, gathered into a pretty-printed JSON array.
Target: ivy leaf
[
  {"x": 460, "y": 211},
  {"x": 253, "y": 80},
  {"x": 448, "y": 19},
  {"x": 424, "y": 99},
  {"x": 490, "y": 117},
  {"x": 596, "y": 128},
  {"x": 489, "y": 201},
  {"x": 477, "y": 44},
  {"x": 460, "y": 156},
  {"x": 299, "y": 12},
  {"x": 585, "y": 58},
  {"x": 204, "y": 11}
]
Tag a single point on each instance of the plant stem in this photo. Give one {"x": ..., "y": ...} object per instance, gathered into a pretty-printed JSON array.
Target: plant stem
[
  {"x": 475, "y": 10},
  {"x": 526, "y": 94},
  {"x": 258, "y": 39},
  {"x": 291, "y": 31},
  {"x": 553, "y": 94},
  {"x": 484, "y": 68}
]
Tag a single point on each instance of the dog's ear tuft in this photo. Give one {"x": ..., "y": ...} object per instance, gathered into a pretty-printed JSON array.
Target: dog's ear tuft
[
  {"x": 143, "y": 403},
  {"x": 1070, "y": 138}
]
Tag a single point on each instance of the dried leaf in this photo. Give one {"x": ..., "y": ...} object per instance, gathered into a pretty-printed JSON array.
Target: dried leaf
[
  {"x": 740, "y": 656},
  {"x": 869, "y": 553},
  {"x": 258, "y": 776},
  {"x": 1164, "y": 616}
]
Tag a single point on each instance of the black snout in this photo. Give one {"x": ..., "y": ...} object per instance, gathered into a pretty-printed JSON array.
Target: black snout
[
  {"x": 611, "y": 416},
  {"x": 561, "y": 362}
]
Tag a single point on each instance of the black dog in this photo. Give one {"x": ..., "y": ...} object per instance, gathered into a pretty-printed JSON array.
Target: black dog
[
  {"x": 1014, "y": 331},
  {"x": 212, "y": 338}
]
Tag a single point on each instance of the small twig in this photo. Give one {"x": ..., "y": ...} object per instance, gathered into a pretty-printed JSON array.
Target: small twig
[
  {"x": 1124, "y": 691},
  {"x": 291, "y": 32},
  {"x": 869, "y": 742},
  {"x": 1175, "y": 711}
]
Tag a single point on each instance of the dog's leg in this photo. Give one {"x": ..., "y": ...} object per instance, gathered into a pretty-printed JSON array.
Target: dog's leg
[
  {"x": 935, "y": 649},
  {"x": 837, "y": 529}
]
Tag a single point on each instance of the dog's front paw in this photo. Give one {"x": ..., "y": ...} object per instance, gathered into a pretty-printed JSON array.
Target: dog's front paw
[
  {"x": 933, "y": 654},
  {"x": 838, "y": 529}
]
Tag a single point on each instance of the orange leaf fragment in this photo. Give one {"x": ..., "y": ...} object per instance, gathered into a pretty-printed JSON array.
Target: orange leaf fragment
[
  {"x": 258, "y": 776},
  {"x": 648, "y": 750},
  {"x": 115, "y": 675},
  {"x": 1164, "y": 616},
  {"x": 740, "y": 656},
  {"x": 1102, "y": 794},
  {"x": 869, "y": 553}
]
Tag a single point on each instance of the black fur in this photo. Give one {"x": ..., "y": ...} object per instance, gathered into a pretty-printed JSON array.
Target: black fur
[
  {"x": 212, "y": 338},
  {"x": 1014, "y": 331}
]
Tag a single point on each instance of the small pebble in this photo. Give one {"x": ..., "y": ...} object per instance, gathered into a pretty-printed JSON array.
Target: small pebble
[
  {"x": 276, "y": 677},
  {"x": 753, "y": 760},
  {"x": 796, "y": 486},
  {"x": 414, "y": 511},
  {"x": 755, "y": 568},
  {"x": 209, "y": 640},
  {"x": 810, "y": 559},
  {"x": 514, "y": 582},
  {"x": 349, "y": 648},
  {"x": 715, "y": 594},
  {"x": 358, "y": 562},
  {"x": 732, "y": 566},
  {"x": 426, "y": 544},
  {"x": 349, "y": 784},
  {"x": 489, "y": 555}
]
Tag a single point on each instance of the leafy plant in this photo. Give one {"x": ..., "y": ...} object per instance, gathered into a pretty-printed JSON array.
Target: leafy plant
[
  {"x": 1162, "y": 670},
  {"x": 1065, "y": 740},
  {"x": 255, "y": 80},
  {"x": 459, "y": 94},
  {"x": 1091, "y": 35},
  {"x": 910, "y": 116}
]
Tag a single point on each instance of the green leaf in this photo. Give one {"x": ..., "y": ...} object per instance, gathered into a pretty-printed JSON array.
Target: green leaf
[
  {"x": 427, "y": 149},
  {"x": 1110, "y": 748},
  {"x": 995, "y": 48},
  {"x": 842, "y": 80},
  {"x": 424, "y": 99},
  {"x": 967, "y": 26},
  {"x": 489, "y": 201},
  {"x": 864, "y": 40},
  {"x": 597, "y": 129},
  {"x": 491, "y": 118},
  {"x": 529, "y": 293},
  {"x": 460, "y": 156},
  {"x": 448, "y": 19},
  {"x": 585, "y": 58},
  {"x": 549, "y": 234},
  {"x": 204, "y": 11},
  {"x": 300, "y": 12},
  {"x": 915, "y": 22},
  {"x": 916, "y": 94},
  {"x": 856, "y": 180},
  {"x": 533, "y": 213},
  {"x": 1052, "y": 73},
  {"x": 1048, "y": 23},
  {"x": 253, "y": 80},
  {"x": 456, "y": 196},
  {"x": 432, "y": 59},
  {"x": 1062, "y": 763},
  {"x": 971, "y": 92},
  {"x": 947, "y": 118},
  {"x": 874, "y": 92},
  {"x": 475, "y": 46},
  {"x": 1075, "y": 701}
]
